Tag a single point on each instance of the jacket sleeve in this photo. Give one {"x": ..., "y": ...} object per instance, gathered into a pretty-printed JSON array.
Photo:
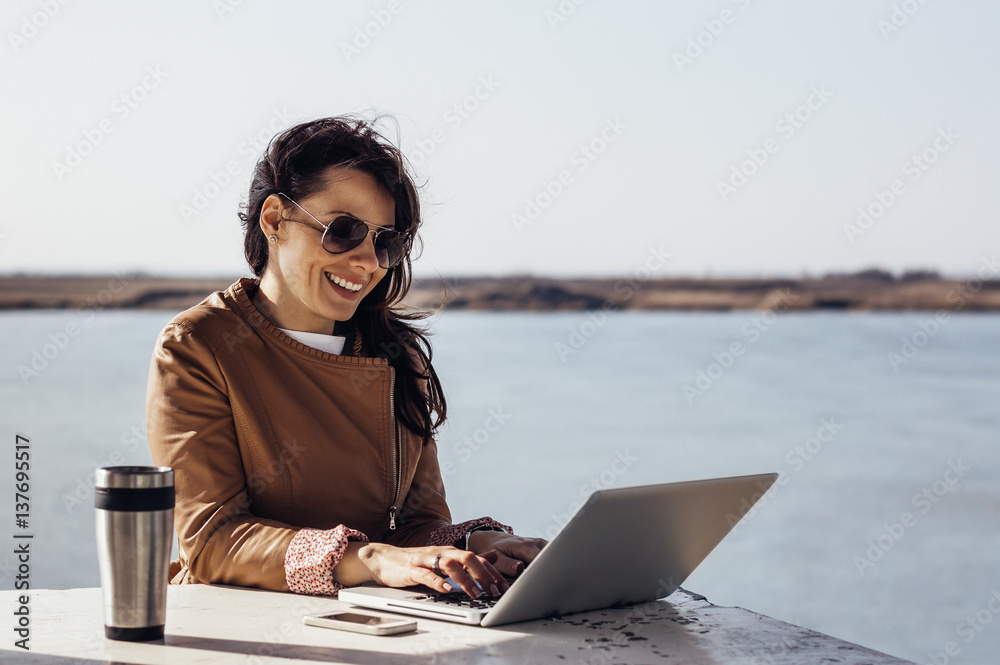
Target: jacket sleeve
[
  {"x": 452, "y": 533},
  {"x": 191, "y": 429}
]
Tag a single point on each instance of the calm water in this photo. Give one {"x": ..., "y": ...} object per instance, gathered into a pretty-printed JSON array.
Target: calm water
[{"x": 884, "y": 531}]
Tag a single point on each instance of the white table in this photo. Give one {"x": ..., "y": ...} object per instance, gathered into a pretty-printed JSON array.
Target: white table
[{"x": 223, "y": 625}]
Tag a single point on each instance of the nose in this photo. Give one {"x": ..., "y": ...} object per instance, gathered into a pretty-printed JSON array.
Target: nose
[{"x": 364, "y": 255}]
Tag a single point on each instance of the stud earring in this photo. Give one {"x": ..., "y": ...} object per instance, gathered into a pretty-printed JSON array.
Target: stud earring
[{"x": 272, "y": 239}]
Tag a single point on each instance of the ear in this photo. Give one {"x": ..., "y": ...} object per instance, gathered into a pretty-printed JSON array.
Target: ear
[{"x": 270, "y": 216}]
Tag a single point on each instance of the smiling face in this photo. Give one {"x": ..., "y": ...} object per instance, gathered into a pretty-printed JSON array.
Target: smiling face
[{"x": 304, "y": 287}]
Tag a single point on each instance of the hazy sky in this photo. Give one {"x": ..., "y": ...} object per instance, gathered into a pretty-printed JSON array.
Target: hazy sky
[{"x": 741, "y": 137}]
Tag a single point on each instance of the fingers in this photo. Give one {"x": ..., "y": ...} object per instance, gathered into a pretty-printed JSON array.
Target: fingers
[
  {"x": 509, "y": 566},
  {"x": 490, "y": 560},
  {"x": 533, "y": 547},
  {"x": 476, "y": 574},
  {"x": 519, "y": 553},
  {"x": 433, "y": 580},
  {"x": 468, "y": 569}
]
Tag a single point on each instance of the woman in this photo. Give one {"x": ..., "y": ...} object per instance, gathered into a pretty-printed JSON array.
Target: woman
[{"x": 297, "y": 409}]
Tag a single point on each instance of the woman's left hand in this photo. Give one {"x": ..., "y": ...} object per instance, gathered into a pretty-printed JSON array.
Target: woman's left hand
[{"x": 514, "y": 552}]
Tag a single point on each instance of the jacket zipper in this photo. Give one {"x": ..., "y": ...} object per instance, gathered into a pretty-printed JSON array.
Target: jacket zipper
[{"x": 396, "y": 453}]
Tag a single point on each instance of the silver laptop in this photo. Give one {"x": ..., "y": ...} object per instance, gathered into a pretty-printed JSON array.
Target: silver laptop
[{"x": 622, "y": 546}]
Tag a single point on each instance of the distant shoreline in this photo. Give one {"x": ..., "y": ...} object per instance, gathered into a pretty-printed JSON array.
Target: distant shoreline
[{"x": 871, "y": 290}]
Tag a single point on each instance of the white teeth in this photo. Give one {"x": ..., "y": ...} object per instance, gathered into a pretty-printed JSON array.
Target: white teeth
[{"x": 350, "y": 286}]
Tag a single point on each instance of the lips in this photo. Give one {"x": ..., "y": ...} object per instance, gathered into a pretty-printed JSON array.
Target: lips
[{"x": 353, "y": 287}]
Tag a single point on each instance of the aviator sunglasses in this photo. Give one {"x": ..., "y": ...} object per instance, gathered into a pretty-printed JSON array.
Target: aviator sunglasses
[{"x": 345, "y": 233}]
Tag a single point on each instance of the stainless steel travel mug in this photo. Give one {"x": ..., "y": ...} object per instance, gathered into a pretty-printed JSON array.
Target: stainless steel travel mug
[{"x": 135, "y": 530}]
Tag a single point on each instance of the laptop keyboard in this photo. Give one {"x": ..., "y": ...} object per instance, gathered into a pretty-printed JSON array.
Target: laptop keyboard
[{"x": 461, "y": 600}]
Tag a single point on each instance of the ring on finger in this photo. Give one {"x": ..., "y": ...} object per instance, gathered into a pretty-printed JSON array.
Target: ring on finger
[{"x": 437, "y": 567}]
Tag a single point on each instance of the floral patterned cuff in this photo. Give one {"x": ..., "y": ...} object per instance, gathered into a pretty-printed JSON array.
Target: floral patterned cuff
[
  {"x": 311, "y": 556},
  {"x": 447, "y": 535}
]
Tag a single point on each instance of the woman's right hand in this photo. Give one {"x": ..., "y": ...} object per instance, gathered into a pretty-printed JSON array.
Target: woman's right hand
[{"x": 408, "y": 566}]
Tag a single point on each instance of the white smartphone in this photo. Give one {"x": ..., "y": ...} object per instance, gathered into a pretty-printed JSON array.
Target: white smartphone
[{"x": 361, "y": 622}]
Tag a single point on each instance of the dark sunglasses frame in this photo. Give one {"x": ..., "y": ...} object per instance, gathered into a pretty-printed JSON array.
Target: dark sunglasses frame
[{"x": 345, "y": 232}]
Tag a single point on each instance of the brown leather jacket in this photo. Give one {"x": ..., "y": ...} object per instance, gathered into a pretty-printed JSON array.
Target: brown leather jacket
[{"x": 267, "y": 435}]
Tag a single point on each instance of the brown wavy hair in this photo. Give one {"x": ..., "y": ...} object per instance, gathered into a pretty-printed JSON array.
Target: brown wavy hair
[{"x": 294, "y": 163}]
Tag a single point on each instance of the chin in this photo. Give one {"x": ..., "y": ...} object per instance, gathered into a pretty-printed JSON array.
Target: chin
[{"x": 340, "y": 313}]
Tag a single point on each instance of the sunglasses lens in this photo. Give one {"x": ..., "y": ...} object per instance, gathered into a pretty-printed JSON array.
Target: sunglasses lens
[
  {"x": 390, "y": 249},
  {"x": 344, "y": 234}
]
